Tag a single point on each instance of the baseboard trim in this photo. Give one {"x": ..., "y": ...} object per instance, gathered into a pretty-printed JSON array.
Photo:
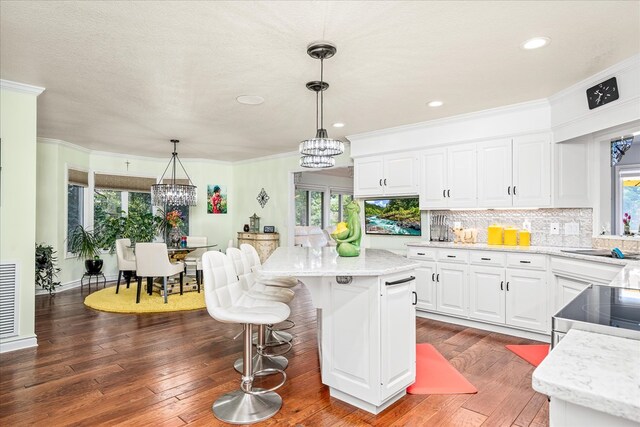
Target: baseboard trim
[
  {"x": 536, "y": 336},
  {"x": 72, "y": 285},
  {"x": 18, "y": 343}
]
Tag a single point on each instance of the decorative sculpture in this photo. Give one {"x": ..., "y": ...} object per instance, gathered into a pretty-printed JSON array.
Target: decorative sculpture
[
  {"x": 348, "y": 235},
  {"x": 465, "y": 235}
]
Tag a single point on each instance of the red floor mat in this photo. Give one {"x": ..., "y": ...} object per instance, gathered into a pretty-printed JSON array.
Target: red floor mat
[
  {"x": 534, "y": 353},
  {"x": 435, "y": 375}
]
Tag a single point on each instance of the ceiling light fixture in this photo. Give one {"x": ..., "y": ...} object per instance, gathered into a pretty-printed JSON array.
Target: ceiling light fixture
[
  {"x": 435, "y": 104},
  {"x": 536, "y": 42},
  {"x": 318, "y": 152},
  {"x": 250, "y": 99},
  {"x": 173, "y": 194},
  {"x": 338, "y": 125}
]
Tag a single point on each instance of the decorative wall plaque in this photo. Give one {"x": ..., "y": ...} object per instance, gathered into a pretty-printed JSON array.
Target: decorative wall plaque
[{"x": 262, "y": 198}]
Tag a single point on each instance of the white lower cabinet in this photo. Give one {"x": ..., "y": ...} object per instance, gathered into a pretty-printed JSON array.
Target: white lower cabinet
[
  {"x": 452, "y": 285},
  {"x": 486, "y": 293},
  {"x": 426, "y": 286},
  {"x": 567, "y": 289},
  {"x": 526, "y": 299}
]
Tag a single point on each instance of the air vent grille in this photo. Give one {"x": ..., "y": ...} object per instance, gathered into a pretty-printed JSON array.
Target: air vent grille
[{"x": 8, "y": 299}]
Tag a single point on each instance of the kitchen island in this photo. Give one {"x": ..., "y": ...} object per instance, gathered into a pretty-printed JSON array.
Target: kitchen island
[{"x": 366, "y": 320}]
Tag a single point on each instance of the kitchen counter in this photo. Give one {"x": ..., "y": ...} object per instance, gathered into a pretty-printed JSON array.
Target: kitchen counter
[
  {"x": 366, "y": 320},
  {"x": 325, "y": 261},
  {"x": 594, "y": 371},
  {"x": 544, "y": 250}
]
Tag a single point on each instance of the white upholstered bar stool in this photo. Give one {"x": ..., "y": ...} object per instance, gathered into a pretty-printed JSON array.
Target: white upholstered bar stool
[
  {"x": 152, "y": 260},
  {"x": 274, "y": 336},
  {"x": 126, "y": 261},
  {"x": 227, "y": 302},
  {"x": 269, "y": 293}
]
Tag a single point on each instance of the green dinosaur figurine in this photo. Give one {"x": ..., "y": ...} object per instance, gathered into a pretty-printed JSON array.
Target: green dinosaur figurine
[{"x": 350, "y": 245}]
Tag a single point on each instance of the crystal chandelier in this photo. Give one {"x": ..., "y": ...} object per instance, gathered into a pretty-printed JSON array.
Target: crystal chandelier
[
  {"x": 318, "y": 152},
  {"x": 173, "y": 194}
]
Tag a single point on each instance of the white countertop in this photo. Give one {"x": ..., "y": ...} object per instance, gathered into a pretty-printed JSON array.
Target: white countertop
[
  {"x": 601, "y": 372},
  {"x": 297, "y": 261},
  {"x": 545, "y": 250}
]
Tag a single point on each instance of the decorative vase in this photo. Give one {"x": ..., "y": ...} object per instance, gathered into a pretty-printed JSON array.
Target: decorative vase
[
  {"x": 627, "y": 229},
  {"x": 246, "y": 228},
  {"x": 175, "y": 234}
]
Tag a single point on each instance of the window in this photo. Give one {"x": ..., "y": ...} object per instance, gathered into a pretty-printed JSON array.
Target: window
[
  {"x": 629, "y": 197},
  {"x": 338, "y": 203},
  {"x": 75, "y": 209},
  {"x": 309, "y": 207}
]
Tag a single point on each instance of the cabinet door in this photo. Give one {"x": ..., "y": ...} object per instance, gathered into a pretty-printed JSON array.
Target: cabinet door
[
  {"x": 532, "y": 171},
  {"x": 433, "y": 181},
  {"x": 462, "y": 180},
  {"x": 567, "y": 289},
  {"x": 400, "y": 174},
  {"x": 426, "y": 286},
  {"x": 494, "y": 173},
  {"x": 571, "y": 174},
  {"x": 451, "y": 287},
  {"x": 486, "y": 293},
  {"x": 526, "y": 296},
  {"x": 398, "y": 336},
  {"x": 368, "y": 179}
]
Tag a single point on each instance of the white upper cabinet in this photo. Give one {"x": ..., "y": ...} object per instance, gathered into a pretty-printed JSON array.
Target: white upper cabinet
[
  {"x": 571, "y": 174},
  {"x": 532, "y": 171},
  {"x": 387, "y": 175},
  {"x": 515, "y": 172},
  {"x": 448, "y": 177},
  {"x": 494, "y": 173}
]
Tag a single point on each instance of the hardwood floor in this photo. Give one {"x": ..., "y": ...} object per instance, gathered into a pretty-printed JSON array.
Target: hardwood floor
[{"x": 94, "y": 368}]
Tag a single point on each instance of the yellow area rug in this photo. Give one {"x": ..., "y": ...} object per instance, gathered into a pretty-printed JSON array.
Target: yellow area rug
[{"x": 125, "y": 301}]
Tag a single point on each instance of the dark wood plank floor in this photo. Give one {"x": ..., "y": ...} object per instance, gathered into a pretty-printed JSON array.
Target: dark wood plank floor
[{"x": 93, "y": 368}]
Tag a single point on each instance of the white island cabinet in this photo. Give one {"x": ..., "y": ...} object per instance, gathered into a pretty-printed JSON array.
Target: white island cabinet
[{"x": 366, "y": 321}]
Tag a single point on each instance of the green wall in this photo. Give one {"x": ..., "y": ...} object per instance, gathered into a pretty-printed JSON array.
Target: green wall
[{"x": 18, "y": 204}]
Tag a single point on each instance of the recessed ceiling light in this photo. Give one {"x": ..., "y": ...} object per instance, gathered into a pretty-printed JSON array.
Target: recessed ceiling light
[
  {"x": 536, "y": 43},
  {"x": 250, "y": 99},
  {"x": 338, "y": 125},
  {"x": 435, "y": 104}
]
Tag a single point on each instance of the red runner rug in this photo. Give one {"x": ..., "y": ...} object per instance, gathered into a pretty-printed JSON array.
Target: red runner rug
[
  {"x": 533, "y": 353},
  {"x": 435, "y": 375}
]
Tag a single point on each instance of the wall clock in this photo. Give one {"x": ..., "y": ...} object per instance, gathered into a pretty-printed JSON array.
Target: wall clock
[{"x": 603, "y": 93}]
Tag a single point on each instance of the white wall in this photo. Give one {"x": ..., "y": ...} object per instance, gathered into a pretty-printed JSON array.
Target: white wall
[{"x": 18, "y": 201}]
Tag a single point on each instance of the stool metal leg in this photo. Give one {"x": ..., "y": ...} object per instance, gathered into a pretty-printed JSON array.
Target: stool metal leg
[
  {"x": 247, "y": 405},
  {"x": 263, "y": 361}
]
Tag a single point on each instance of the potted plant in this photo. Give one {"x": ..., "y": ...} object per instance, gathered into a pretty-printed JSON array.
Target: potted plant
[
  {"x": 46, "y": 268},
  {"x": 85, "y": 244},
  {"x": 626, "y": 220}
]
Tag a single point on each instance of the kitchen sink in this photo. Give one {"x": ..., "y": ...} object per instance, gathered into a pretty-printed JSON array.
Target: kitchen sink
[{"x": 600, "y": 252}]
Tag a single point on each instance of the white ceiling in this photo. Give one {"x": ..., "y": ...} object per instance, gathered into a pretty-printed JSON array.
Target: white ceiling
[{"x": 128, "y": 76}]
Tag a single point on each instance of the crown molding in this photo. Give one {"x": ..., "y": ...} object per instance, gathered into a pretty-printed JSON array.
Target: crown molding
[
  {"x": 523, "y": 106},
  {"x": 630, "y": 62},
  {"x": 269, "y": 157},
  {"x": 65, "y": 144},
  {"x": 20, "y": 87}
]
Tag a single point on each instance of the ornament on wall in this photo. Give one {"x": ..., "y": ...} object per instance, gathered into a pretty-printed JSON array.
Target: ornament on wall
[{"x": 262, "y": 198}]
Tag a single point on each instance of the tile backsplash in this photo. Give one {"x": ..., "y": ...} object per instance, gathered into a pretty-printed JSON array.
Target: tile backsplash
[{"x": 540, "y": 223}]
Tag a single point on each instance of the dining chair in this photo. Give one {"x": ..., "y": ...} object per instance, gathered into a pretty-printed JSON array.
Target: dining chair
[
  {"x": 193, "y": 260},
  {"x": 152, "y": 260},
  {"x": 126, "y": 261}
]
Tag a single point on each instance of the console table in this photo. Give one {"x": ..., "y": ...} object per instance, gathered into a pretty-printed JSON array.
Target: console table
[{"x": 265, "y": 243}]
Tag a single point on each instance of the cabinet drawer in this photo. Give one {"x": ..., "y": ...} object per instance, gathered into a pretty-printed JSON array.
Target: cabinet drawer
[
  {"x": 246, "y": 236},
  {"x": 498, "y": 259},
  {"x": 421, "y": 253},
  {"x": 453, "y": 255},
  {"x": 528, "y": 261}
]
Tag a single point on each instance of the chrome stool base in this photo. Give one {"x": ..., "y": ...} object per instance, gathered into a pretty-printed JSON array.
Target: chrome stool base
[
  {"x": 274, "y": 338},
  {"x": 261, "y": 362},
  {"x": 239, "y": 407}
]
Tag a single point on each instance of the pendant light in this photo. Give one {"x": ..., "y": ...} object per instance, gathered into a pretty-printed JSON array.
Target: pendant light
[
  {"x": 173, "y": 194},
  {"x": 318, "y": 152}
]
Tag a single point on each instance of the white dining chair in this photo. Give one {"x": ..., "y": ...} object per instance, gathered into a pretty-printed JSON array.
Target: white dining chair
[
  {"x": 152, "y": 260},
  {"x": 126, "y": 261}
]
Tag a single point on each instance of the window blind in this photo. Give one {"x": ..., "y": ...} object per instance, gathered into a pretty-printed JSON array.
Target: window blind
[
  {"x": 76, "y": 177},
  {"x": 123, "y": 183}
]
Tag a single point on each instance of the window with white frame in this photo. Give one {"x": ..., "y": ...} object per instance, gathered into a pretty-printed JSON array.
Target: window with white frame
[
  {"x": 309, "y": 206},
  {"x": 628, "y": 197},
  {"x": 339, "y": 200},
  {"x": 77, "y": 183}
]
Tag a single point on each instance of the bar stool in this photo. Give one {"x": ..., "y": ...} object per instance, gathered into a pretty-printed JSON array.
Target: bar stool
[
  {"x": 259, "y": 291},
  {"x": 227, "y": 302}
]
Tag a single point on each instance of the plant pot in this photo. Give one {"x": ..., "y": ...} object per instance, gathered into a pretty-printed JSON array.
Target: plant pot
[{"x": 93, "y": 266}]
